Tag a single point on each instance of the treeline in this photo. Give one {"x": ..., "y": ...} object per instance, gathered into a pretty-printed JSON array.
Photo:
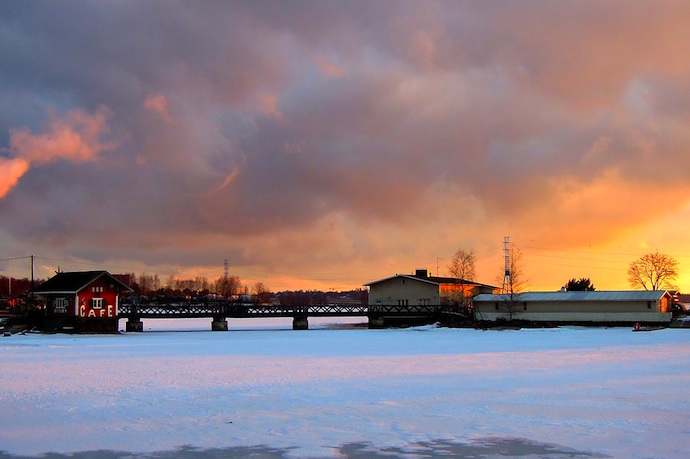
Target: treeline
[
  {"x": 11, "y": 287},
  {"x": 150, "y": 286}
]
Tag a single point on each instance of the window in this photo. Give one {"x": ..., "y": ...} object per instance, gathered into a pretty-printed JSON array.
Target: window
[
  {"x": 97, "y": 303},
  {"x": 497, "y": 305},
  {"x": 60, "y": 305},
  {"x": 97, "y": 289},
  {"x": 649, "y": 305},
  {"x": 403, "y": 302},
  {"x": 524, "y": 306},
  {"x": 425, "y": 301}
]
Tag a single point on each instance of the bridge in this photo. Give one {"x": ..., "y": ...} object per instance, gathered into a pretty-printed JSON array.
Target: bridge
[{"x": 220, "y": 311}]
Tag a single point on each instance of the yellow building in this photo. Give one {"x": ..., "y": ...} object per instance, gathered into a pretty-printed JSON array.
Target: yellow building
[
  {"x": 578, "y": 307},
  {"x": 422, "y": 289}
]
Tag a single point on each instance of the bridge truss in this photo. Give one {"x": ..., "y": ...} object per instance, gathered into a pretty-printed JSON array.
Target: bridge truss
[{"x": 235, "y": 310}]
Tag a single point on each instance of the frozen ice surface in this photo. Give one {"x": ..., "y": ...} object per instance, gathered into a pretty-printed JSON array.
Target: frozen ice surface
[{"x": 262, "y": 388}]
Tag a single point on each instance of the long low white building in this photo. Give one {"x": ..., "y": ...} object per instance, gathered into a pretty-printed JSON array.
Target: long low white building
[{"x": 578, "y": 307}]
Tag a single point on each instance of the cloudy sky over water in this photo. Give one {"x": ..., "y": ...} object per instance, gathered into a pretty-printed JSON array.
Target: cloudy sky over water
[{"x": 328, "y": 144}]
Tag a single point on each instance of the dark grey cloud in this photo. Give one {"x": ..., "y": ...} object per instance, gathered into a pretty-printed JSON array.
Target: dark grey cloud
[{"x": 247, "y": 123}]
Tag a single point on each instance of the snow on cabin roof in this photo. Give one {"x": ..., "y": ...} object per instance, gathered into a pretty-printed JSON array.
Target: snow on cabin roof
[
  {"x": 73, "y": 282},
  {"x": 597, "y": 295}
]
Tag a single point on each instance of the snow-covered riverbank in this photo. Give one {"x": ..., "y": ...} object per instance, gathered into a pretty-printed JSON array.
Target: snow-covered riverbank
[{"x": 601, "y": 391}]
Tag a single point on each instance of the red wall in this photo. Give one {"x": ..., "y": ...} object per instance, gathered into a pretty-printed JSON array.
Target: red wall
[
  {"x": 108, "y": 307},
  {"x": 86, "y": 307}
]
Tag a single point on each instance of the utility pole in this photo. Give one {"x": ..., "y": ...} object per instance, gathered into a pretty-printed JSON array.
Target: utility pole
[{"x": 32, "y": 280}]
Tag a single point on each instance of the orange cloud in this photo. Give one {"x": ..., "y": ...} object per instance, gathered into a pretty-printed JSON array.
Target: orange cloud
[
  {"x": 75, "y": 138},
  {"x": 422, "y": 47},
  {"x": 10, "y": 172},
  {"x": 581, "y": 214},
  {"x": 329, "y": 68},
  {"x": 227, "y": 181},
  {"x": 269, "y": 106},
  {"x": 158, "y": 104}
]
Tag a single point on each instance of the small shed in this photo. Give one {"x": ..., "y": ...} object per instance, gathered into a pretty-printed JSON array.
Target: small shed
[
  {"x": 622, "y": 307},
  {"x": 83, "y": 301}
]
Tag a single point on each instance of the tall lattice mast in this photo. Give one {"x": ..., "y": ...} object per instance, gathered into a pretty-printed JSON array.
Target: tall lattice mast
[
  {"x": 507, "y": 276},
  {"x": 226, "y": 278}
]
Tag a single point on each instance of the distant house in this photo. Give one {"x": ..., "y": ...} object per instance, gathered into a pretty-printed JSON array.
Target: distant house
[
  {"x": 422, "y": 289},
  {"x": 578, "y": 307},
  {"x": 85, "y": 300}
]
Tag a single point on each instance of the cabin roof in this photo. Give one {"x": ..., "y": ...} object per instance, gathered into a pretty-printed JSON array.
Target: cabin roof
[{"x": 74, "y": 282}]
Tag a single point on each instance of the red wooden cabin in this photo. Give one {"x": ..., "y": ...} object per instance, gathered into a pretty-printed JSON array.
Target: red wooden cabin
[{"x": 82, "y": 301}]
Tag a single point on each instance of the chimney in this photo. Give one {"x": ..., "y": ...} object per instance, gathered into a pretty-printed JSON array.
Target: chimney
[{"x": 422, "y": 273}]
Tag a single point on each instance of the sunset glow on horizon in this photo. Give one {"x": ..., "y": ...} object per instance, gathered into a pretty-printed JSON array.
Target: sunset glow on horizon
[{"x": 326, "y": 145}]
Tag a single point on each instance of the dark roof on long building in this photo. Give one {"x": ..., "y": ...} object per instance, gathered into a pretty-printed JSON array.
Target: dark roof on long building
[
  {"x": 433, "y": 280},
  {"x": 596, "y": 295},
  {"x": 453, "y": 280},
  {"x": 73, "y": 282}
]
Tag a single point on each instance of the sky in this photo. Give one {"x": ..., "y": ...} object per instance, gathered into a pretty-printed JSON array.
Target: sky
[{"x": 324, "y": 145}]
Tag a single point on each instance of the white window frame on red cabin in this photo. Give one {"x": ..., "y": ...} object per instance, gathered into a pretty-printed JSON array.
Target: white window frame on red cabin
[{"x": 96, "y": 303}]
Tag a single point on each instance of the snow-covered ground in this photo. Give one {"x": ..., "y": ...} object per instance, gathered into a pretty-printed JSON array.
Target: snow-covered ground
[{"x": 570, "y": 392}]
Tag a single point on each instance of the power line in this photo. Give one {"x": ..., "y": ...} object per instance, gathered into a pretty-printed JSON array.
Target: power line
[
  {"x": 87, "y": 263},
  {"x": 16, "y": 258}
]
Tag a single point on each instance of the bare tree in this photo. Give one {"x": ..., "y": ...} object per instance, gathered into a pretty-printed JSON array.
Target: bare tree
[
  {"x": 220, "y": 286},
  {"x": 149, "y": 283},
  {"x": 228, "y": 286},
  {"x": 260, "y": 292},
  {"x": 170, "y": 283},
  {"x": 201, "y": 284},
  {"x": 462, "y": 265},
  {"x": 653, "y": 271}
]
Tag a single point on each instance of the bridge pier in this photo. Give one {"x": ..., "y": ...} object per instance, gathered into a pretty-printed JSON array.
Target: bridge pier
[
  {"x": 376, "y": 322},
  {"x": 134, "y": 324},
  {"x": 219, "y": 323},
  {"x": 300, "y": 323}
]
